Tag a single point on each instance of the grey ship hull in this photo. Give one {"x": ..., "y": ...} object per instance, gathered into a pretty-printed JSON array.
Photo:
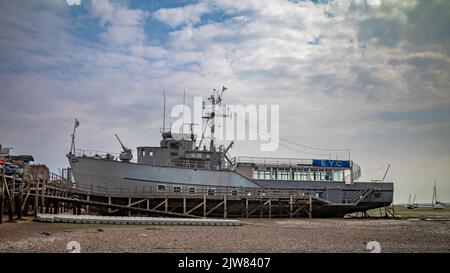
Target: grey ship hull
[{"x": 331, "y": 199}]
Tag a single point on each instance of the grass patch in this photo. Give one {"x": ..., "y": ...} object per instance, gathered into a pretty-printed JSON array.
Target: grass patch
[{"x": 421, "y": 213}]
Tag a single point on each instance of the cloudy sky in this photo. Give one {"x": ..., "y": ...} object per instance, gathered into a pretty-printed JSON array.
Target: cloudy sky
[{"x": 369, "y": 75}]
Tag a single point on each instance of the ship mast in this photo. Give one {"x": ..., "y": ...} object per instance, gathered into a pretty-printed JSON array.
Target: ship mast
[{"x": 216, "y": 103}]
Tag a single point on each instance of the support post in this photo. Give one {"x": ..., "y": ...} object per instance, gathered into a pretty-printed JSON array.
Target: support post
[
  {"x": 270, "y": 208},
  {"x": 88, "y": 208},
  {"x": 166, "y": 205},
  {"x": 246, "y": 207},
  {"x": 19, "y": 206},
  {"x": 36, "y": 197},
  {"x": 261, "y": 207},
  {"x": 310, "y": 207},
  {"x": 129, "y": 204},
  {"x": 225, "y": 210},
  {"x": 43, "y": 196},
  {"x": 204, "y": 205},
  {"x": 291, "y": 203},
  {"x": 184, "y": 205}
]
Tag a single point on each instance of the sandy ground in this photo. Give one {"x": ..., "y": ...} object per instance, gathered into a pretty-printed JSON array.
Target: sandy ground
[{"x": 255, "y": 235}]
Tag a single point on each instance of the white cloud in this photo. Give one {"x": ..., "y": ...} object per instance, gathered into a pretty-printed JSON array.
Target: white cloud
[
  {"x": 189, "y": 14},
  {"x": 124, "y": 26}
]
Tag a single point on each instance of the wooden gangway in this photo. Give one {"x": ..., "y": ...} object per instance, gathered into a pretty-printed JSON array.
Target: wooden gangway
[{"x": 224, "y": 203}]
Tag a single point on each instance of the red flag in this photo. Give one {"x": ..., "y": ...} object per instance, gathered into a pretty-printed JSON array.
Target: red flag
[{"x": 77, "y": 123}]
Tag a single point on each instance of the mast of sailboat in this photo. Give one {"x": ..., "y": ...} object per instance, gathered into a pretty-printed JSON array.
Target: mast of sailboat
[{"x": 435, "y": 193}]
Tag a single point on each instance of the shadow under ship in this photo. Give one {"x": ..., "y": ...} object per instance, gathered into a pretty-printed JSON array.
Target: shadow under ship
[{"x": 180, "y": 166}]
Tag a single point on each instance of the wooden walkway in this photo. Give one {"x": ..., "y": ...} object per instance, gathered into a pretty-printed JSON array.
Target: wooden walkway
[{"x": 57, "y": 196}]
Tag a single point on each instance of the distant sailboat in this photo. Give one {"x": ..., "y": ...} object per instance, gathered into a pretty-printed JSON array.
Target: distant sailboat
[
  {"x": 412, "y": 205},
  {"x": 435, "y": 203},
  {"x": 409, "y": 206}
]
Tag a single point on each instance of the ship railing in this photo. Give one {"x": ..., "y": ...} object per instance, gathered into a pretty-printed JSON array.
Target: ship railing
[
  {"x": 147, "y": 191},
  {"x": 96, "y": 154},
  {"x": 186, "y": 163},
  {"x": 274, "y": 161},
  {"x": 354, "y": 175}
]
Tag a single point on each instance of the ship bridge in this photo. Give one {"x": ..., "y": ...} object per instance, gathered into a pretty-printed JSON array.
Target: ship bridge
[{"x": 296, "y": 169}]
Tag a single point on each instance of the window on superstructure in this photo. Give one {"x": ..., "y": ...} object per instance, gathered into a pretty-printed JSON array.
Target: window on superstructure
[
  {"x": 177, "y": 189},
  {"x": 284, "y": 174},
  {"x": 292, "y": 174},
  {"x": 211, "y": 191},
  {"x": 191, "y": 190},
  {"x": 267, "y": 174},
  {"x": 161, "y": 188},
  {"x": 261, "y": 174},
  {"x": 304, "y": 175},
  {"x": 234, "y": 192},
  {"x": 321, "y": 175},
  {"x": 297, "y": 174},
  {"x": 255, "y": 174}
]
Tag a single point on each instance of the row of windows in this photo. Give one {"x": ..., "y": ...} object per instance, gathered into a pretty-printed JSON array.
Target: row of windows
[
  {"x": 298, "y": 174},
  {"x": 146, "y": 153},
  {"x": 199, "y": 155},
  {"x": 191, "y": 190}
]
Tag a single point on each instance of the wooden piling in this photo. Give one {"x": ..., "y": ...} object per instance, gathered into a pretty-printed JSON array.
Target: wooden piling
[
  {"x": 261, "y": 207},
  {"x": 270, "y": 208},
  {"x": 225, "y": 209},
  {"x": 310, "y": 207},
  {"x": 204, "y": 205},
  {"x": 88, "y": 208},
  {"x": 291, "y": 203},
  {"x": 246, "y": 207},
  {"x": 19, "y": 204},
  {"x": 129, "y": 204},
  {"x": 36, "y": 198}
]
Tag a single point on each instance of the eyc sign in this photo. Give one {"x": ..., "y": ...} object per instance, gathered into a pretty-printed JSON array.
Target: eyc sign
[{"x": 331, "y": 163}]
